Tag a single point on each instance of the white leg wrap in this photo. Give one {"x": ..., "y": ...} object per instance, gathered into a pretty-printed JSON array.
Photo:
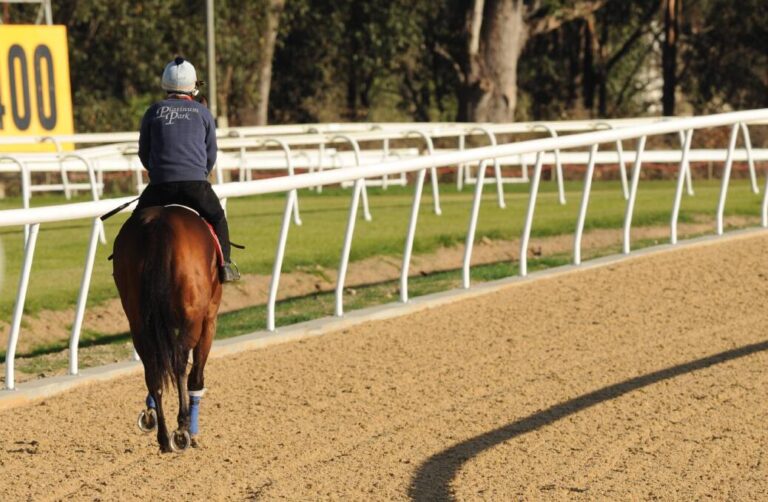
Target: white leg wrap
[{"x": 195, "y": 393}]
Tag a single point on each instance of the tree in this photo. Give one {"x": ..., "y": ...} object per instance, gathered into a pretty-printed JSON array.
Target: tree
[
  {"x": 496, "y": 32},
  {"x": 274, "y": 11},
  {"x": 725, "y": 55},
  {"x": 118, "y": 52},
  {"x": 671, "y": 9}
]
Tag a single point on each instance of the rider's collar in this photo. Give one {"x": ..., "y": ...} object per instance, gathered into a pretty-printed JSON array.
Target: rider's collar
[{"x": 180, "y": 96}]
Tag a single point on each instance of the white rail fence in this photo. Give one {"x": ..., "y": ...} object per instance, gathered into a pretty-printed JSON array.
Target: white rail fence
[
  {"x": 243, "y": 150},
  {"x": 484, "y": 156}
]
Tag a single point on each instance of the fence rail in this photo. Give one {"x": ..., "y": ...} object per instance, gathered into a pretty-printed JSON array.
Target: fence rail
[{"x": 483, "y": 156}]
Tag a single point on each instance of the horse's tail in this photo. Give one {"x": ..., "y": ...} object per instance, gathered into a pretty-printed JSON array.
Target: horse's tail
[{"x": 159, "y": 328}]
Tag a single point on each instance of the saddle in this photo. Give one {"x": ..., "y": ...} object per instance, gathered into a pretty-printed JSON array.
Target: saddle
[{"x": 219, "y": 253}]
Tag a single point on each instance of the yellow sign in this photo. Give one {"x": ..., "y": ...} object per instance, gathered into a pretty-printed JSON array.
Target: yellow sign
[{"x": 35, "y": 95}]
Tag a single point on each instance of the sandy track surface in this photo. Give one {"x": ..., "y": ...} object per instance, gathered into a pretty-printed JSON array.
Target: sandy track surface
[{"x": 642, "y": 380}]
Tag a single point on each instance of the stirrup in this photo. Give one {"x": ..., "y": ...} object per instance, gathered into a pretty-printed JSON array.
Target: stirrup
[{"x": 229, "y": 272}]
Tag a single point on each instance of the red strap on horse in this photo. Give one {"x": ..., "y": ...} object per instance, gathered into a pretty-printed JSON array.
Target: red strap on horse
[{"x": 219, "y": 252}]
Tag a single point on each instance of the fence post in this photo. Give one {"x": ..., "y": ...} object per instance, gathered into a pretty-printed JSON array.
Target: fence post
[
  {"x": 584, "y": 204},
  {"x": 620, "y": 155},
  {"x": 726, "y": 179},
  {"x": 82, "y": 298},
  {"x": 682, "y": 175},
  {"x": 277, "y": 266},
  {"x": 289, "y": 167},
  {"x": 529, "y": 215},
  {"x": 469, "y": 242},
  {"x": 347, "y": 246},
  {"x": 558, "y": 165},
  {"x": 18, "y": 309},
  {"x": 356, "y": 150},
  {"x": 633, "y": 193},
  {"x": 415, "y": 205}
]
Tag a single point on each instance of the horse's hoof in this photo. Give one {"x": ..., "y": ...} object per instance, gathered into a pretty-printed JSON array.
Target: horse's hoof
[
  {"x": 147, "y": 420},
  {"x": 180, "y": 440}
]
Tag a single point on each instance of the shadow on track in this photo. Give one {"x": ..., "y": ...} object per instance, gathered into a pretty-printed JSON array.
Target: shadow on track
[{"x": 433, "y": 478}]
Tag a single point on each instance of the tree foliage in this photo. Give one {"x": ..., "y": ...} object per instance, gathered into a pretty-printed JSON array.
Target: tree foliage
[
  {"x": 726, "y": 55},
  {"x": 385, "y": 60}
]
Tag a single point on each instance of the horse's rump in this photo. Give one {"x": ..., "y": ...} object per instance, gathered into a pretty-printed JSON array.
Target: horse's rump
[{"x": 166, "y": 248}]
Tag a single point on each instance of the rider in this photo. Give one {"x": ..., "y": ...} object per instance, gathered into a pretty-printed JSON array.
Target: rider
[{"x": 177, "y": 146}]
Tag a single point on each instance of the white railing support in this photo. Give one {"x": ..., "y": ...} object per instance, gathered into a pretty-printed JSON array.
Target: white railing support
[
  {"x": 682, "y": 175},
  {"x": 584, "y": 205},
  {"x": 461, "y": 171},
  {"x": 358, "y": 164},
  {"x": 24, "y": 182},
  {"x": 726, "y": 179},
  {"x": 496, "y": 165},
  {"x": 558, "y": 165},
  {"x": 277, "y": 266},
  {"x": 687, "y": 167},
  {"x": 320, "y": 156},
  {"x": 621, "y": 163},
  {"x": 347, "y": 246},
  {"x": 384, "y": 157},
  {"x": 18, "y": 309},
  {"x": 243, "y": 173},
  {"x": 63, "y": 171},
  {"x": 414, "y": 217},
  {"x": 529, "y": 215},
  {"x": 82, "y": 297},
  {"x": 750, "y": 157},
  {"x": 94, "y": 188},
  {"x": 291, "y": 171},
  {"x": 469, "y": 242},
  {"x": 633, "y": 193},
  {"x": 764, "y": 206}
]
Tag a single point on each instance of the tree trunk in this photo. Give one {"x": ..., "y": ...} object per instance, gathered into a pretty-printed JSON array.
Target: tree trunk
[
  {"x": 574, "y": 67},
  {"x": 602, "y": 73},
  {"x": 354, "y": 74},
  {"x": 274, "y": 10},
  {"x": 588, "y": 89},
  {"x": 222, "y": 95},
  {"x": 497, "y": 31},
  {"x": 669, "y": 54},
  {"x": 497, "y": 35}
]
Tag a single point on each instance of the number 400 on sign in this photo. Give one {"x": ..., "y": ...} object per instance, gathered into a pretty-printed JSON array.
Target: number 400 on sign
[{"x": 35, "y": 95}]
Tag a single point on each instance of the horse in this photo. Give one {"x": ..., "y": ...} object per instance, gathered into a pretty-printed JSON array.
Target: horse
[{"x": 165, "y": 267}]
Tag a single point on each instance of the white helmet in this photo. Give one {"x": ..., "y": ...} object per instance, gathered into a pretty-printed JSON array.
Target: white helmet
[{"x": 180, "y": 76}]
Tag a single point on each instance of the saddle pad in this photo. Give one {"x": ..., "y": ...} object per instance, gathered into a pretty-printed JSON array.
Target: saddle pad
[{"x": 219, "y": 252}]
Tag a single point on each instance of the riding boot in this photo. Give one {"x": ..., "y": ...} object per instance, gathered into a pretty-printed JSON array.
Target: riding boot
[{"x": 228, "y": 272}]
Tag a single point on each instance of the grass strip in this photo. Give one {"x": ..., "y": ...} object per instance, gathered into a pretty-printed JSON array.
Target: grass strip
[{"x": 60, "y": 255}]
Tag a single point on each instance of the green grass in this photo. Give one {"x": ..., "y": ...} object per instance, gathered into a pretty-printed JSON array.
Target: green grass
[
  {"x": 60, "y": 254},
  {"x": 304, "y": 308}
]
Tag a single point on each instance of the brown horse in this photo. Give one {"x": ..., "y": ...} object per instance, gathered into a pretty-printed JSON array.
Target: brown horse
[{"x": 166, "y": 270}]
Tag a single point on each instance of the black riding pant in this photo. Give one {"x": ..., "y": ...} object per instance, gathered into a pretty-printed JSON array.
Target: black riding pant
[{"x": 196, "y": 194}]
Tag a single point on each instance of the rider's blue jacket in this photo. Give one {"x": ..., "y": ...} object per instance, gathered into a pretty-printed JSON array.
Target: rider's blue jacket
[{"x": 177, "y": 141}]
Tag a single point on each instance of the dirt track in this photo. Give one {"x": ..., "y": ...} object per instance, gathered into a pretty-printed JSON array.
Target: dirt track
[{"x": 643, "y": 380}]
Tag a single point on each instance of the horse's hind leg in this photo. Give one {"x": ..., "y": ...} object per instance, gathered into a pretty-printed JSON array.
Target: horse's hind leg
[
  {"x": 155, "y": 387},
  {"x": 183, "y": 418},
  {"x": 196, "y": 379}
]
